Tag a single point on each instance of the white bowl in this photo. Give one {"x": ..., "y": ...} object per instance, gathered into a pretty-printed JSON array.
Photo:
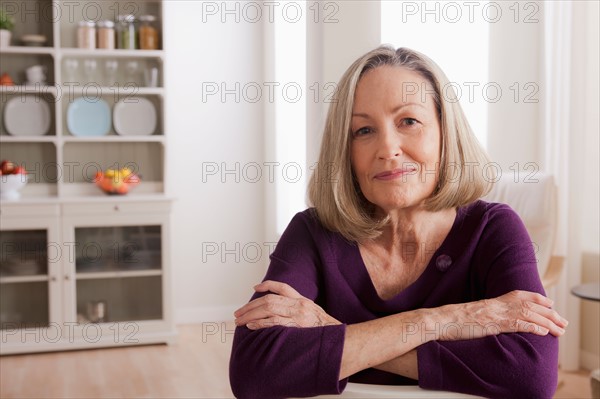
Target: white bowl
[
  {"x": 33, "y": 40},
  {"x": 10, "y": 186}
]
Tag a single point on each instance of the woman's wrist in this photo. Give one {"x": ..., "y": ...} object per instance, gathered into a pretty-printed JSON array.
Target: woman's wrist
[
  {"x": 418, "y": 327},
  {"x": 448, "y": 322}
]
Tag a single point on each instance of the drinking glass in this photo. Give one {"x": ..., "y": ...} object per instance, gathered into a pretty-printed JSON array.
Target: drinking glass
[
  {"x": 131, "y": 72},
  {"x": 110, "y": 72},
  {"x": 71, "y": 66},
  {"x": 89, "y": 69}
]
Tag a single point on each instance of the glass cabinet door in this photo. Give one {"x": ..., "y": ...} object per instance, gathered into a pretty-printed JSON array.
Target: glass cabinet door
[
  {"x": 118, "y": 273},
  {"x": 24, "y": 296}
]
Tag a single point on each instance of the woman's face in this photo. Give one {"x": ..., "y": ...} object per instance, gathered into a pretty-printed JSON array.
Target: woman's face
[{"x": 395, "y": 138}]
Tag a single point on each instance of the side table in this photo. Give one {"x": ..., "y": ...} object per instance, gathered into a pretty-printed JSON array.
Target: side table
[{"x": 591, "y": 292}]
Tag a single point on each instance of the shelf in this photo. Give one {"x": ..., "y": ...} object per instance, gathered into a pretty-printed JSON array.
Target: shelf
[
  {"x": 77, "y": 52},
  {"x": 23, "y": 89},
  {"x": 154, "y": 138},
  {"x": 23, "y": 279},
  {"x": 31, "y": 200},
  {"x": 87, "y": 199},
  {"x": 118, "y": 274},
  {"x": 102, "y": 198},
  {"x": 28, "y": 139},
  {"x": 32, "y": 50},
  {"x": 121, "y": 92},
  {"x": 60, "y": 199},
  {"x": 27, "y": 50}
]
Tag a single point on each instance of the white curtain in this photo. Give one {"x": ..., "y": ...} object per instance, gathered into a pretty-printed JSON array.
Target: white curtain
[{"x": 563, "y": 142}]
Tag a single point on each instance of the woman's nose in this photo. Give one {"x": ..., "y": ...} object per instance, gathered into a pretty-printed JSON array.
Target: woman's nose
[{"x": 389, "y": 144}]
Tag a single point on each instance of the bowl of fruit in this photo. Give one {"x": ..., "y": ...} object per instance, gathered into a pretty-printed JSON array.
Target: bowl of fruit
[
  {"x": 116, "y": 181},
  {"x": 12, "y": 179}
]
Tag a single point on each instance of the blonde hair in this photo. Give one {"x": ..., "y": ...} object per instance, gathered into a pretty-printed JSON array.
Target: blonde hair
[{"x": 333, "y": 190}]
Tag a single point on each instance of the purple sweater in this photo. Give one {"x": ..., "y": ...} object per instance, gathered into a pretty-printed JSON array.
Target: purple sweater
[{"x": 486, "y": 254}]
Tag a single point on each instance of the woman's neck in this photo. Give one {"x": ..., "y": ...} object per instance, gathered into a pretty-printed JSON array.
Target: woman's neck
[{"x": 418, "y": 228}]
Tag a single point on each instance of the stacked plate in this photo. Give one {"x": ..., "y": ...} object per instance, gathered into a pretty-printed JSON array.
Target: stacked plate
[
  {"x": 135, "y": 116},
  {"x": 27, "y": 115},
  {"x": 132, "y": 116},
  {"x": 88, "y": 118},
  {"x": 20, "y": 267}
]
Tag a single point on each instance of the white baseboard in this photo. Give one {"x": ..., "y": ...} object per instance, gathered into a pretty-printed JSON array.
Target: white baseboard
[
  {"x": 204, "y": 314},
  {"x": 588, "y": 360}
]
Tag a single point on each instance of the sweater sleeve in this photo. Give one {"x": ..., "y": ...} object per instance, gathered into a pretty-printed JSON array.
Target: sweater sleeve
[
  {"x": 282, "y": 361},
  {"x": 511, "y": 365}
]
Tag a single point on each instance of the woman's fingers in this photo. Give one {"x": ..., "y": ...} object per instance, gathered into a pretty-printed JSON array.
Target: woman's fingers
[
  {"x": 523, "y": 326},
  {"x": 283, "y": 306},
  {"x": 263, "y": 307},
  {"x": 516, "y": 311},
  {"x": 277, "y": 288},
  {"x": 530, "y": 312},
  {"x": 541, "y": 320},
  {"x": 550, "y": 314},
  {"x": 282, "y": 289}
]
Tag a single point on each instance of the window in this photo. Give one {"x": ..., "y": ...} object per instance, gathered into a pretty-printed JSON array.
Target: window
[
  {"x": 456, "y": 36},
  {"x": 290, "y": 113}
]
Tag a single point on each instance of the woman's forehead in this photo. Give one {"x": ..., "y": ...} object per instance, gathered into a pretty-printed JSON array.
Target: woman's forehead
[{"x": 392, "y": 85}]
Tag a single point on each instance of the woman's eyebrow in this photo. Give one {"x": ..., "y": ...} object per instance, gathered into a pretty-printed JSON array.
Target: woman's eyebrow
[{"x": 396, "y": 109}]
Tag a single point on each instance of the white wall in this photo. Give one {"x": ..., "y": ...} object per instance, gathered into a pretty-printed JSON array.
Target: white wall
[
  {"x": 591, "y": 191},
  {"x": 513, "y": 121},
  {"x": 590, "y": 311},
  {"x": 516, "y": 137},
  {"x": 339, "y": 36},
  {"x": 212, "y": 214}
]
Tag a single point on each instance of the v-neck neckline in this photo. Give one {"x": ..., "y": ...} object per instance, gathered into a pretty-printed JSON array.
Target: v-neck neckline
[{"x": 421, "y": 287}]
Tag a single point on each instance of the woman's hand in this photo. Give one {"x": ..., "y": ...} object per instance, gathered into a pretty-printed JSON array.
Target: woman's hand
[
  {"x": 285, "y": 307},
  {"x": 516, "y": 311}
]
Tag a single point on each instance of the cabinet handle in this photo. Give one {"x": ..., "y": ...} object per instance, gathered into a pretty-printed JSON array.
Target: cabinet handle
[
  {"x": 116, "y": 208},
  {"x": 53, "y": 278},
  {"x": 67, "y": 277}
]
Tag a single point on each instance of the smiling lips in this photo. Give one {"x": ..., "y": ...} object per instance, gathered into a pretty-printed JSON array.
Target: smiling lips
[{"x": 394, "y": 174}]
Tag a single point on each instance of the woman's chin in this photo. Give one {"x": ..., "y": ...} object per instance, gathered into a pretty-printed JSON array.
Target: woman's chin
[{"x": 390, "y": 205}]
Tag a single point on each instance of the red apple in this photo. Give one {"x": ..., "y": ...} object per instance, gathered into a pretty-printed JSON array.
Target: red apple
[
  {"x": 7, "y": 167},
  {"x": 19, "y": 170}
]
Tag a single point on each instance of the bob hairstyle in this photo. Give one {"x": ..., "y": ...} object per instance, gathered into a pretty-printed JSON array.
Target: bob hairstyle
[{"x": 333, "y": 189}]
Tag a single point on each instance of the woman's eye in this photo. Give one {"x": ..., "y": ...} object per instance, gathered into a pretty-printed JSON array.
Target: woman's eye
[
  {"x": 409, "y": 122},
  {"x": 362, "y": 131}
]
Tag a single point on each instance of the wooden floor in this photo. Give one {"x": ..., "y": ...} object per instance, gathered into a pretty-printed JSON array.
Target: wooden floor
[{"x": 194, "y": 367}]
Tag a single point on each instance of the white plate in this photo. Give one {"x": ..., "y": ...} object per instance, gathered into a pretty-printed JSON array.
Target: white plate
[
  {"x": 27, "y": 115},
  {"x": 134, "y": 116}
]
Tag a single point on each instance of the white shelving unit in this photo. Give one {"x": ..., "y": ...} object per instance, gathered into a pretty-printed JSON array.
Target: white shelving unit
[{"x": 47, "y": 283}]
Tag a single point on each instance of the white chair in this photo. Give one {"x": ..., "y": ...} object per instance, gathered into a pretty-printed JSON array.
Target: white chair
[
  {"x": 354, "y": 390},
  {"x": 534, "y": 198}
]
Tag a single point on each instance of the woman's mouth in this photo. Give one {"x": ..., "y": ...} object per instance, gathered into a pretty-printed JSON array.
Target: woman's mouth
[{"x": 394, "y": 174}]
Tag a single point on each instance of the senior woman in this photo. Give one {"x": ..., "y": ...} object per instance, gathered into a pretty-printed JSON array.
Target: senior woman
[{"x": 398, "y": 274}]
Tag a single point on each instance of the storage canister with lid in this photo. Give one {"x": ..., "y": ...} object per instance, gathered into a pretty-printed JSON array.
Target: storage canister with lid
[
  {"x": 86, "y": 34},
  {"x": 126, "y": 32},
  {"x": 148, "y": 33},
  {"x": 106, "y": 35}
]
